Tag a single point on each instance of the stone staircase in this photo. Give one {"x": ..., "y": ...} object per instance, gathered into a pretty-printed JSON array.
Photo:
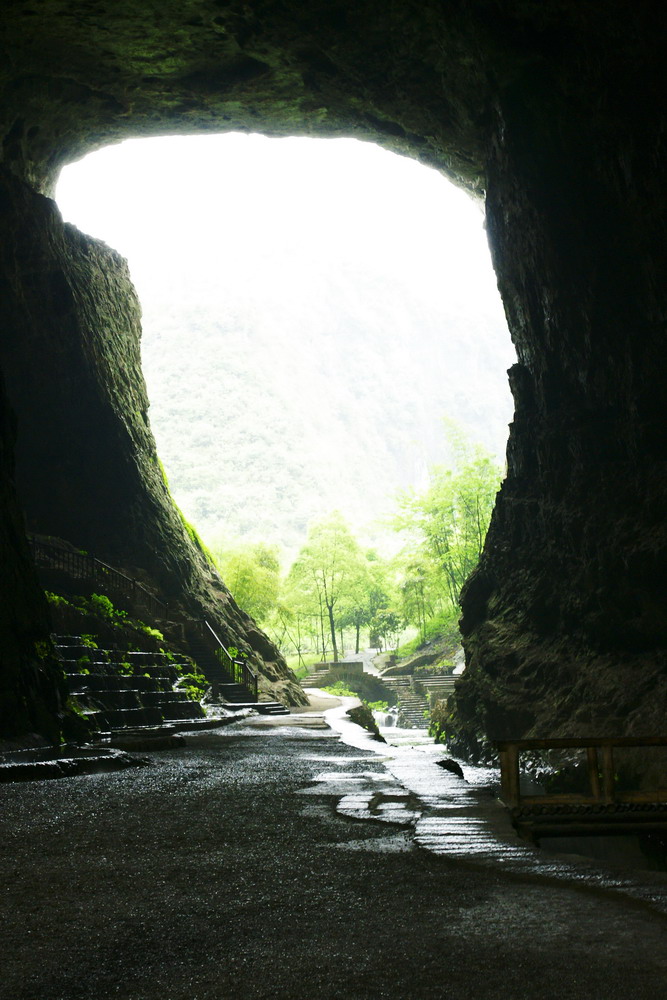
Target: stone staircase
[
  {"x": 411, "y": 706},
  {"x": 315, "y": 677},
  {"x": 126, "y": 690},
  {"x": 440, "y": 685},
  {"x": 228, "y": 691}
]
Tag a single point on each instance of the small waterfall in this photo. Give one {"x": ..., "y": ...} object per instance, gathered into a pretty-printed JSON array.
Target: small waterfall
[{"x": 387, "y": 720}]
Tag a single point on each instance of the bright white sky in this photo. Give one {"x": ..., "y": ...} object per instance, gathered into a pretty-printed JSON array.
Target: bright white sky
[
  {"x": 181, "y": 208},
  {"x": 238, "y": 218}
]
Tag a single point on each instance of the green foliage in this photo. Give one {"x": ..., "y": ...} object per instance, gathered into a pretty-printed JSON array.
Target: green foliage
[
  {"x": 442, "y": 625},
  {"x": 153, "y": 632},
  {"x": 43, "y": 649},
  {"x": 386, "y": 625},
  {"x": 340, "y": 689},
  {"x": 56, "y": 599},
  {"x": 252, "y": 573},
  {"x": 194, "y": 684},
  {"x": 190, "y": 530},
  {"x": 102, "y": 605},
  {"x": 446, "y": 525},
  {"x": 329, "y": 579},
  {"x": 194, "y": 537},
  {"x": 301, "y": 665},
  {"x": 236, "y": 653},
  {"x": 89, "y": 640},
  {"x": 366, "y": 687},
  {"x": 378, "y": 706}
]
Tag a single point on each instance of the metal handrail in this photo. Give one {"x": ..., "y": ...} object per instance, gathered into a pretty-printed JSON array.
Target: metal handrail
[
  {"x": 83, "y": 566},
  {"x": 240, "y": 670}
]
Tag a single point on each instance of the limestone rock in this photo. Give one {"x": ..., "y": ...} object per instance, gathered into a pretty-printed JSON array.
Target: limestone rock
[{"x": 555, "y": 111}]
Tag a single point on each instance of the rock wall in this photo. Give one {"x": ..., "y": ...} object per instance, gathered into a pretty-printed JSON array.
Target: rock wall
[
  {"x": 31, "y": 684},
  {"x": 564, "y": 621},
  {"x": 86, "y": 466},
  {"x": 556, "y": 111}
]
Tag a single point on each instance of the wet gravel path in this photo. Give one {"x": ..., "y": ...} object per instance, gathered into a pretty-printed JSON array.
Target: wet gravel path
[{"x": 223, "y": 870}]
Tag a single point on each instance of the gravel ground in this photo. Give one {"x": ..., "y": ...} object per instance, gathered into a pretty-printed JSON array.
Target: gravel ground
[{"x": 223, "y": 870}]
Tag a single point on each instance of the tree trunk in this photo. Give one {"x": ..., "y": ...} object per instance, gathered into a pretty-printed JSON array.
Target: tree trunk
[
  {"x": 356, "y": 645},
  {"x": 332, "y": 626}
]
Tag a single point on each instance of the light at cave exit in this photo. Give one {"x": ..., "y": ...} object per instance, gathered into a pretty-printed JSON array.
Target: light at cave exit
[{"x": 244, "y": 213}]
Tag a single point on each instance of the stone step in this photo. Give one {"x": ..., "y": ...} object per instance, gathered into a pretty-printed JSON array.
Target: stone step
[
  {"x": 313, "y": 680},
  {"x": 138, "y": 658},
  {"x": 262, "y": 707},
  {"x": 105, "y": 700},
  {"x": 271, "y": 708},
  {"x": 118, "y": 669},
  {"x": 122, "y": 682},
  {"x": 231, "y": 692},
  {"x": 150, "y": 698},
  {"x": 122, "y": 718},
  {"x": 185, "y": 709},
  {"x": 116, "y": 700}
]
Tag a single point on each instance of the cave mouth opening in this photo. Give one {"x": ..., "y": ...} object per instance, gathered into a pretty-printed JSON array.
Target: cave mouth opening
[{"x": 299, "y": 297}]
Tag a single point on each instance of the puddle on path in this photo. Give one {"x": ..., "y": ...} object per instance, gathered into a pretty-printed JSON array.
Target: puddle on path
[{"x": 460, "y": 819}]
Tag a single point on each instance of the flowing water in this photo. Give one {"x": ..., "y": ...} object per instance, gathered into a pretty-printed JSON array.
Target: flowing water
[{"x": 464, "y": 819}]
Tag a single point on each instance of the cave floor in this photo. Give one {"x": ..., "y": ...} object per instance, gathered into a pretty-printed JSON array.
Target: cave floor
[{"x": 225, "y": 870}]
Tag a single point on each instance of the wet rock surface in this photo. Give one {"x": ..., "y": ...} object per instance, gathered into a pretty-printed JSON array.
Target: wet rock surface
[
  {"x": 225, "y": 870},
  {"x": 93, "y": 761},
  {"x": 86, "y": 465}
]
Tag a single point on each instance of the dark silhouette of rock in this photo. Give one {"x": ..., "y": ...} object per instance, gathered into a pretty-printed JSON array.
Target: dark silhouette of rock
[{"x": 451, "y": 765}]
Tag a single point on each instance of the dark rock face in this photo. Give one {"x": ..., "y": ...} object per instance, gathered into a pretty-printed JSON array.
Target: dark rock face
[
  {"x": 555, "y": 111},
  {"x": 32, "y": 686},
  {"x": 564, "y": 621},
  {"x": 87, "y": 469}
]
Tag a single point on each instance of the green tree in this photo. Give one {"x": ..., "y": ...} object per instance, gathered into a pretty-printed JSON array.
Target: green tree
[
  {"x": 447, "y": 523},
  {"x": 328, "y": 574},
  {"x": 419, "y": 596},
  {"x": 252, "y": 573},
  {"x": 386, "y": 625}
]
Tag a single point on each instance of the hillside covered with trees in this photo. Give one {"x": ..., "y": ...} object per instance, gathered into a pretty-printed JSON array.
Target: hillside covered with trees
[
  {"x": 274, "y": 405},
  {"x": 311, "y": 311}
]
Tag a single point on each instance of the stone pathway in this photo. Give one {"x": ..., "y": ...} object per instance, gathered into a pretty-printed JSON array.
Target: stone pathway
[{"x": 242, "y": 866}]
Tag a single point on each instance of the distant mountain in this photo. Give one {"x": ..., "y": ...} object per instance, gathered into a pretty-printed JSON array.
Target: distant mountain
[
  {"x": 312, "y": 309},
  {"x": 323, "y": 387}
]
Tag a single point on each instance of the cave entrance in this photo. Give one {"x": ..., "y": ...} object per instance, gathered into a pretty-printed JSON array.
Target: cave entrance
[{"x": 312, "y": 308}]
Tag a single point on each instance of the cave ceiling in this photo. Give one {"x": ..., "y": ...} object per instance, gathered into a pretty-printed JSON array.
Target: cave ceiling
[{"x": 421, "y": 78}]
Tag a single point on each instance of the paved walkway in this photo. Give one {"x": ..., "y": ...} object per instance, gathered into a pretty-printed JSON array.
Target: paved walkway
[{"x": 225, "y": 870}]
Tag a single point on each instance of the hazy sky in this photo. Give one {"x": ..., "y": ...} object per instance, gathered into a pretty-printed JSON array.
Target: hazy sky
[
  {"x": 282, "y": 229},
  {"x": 183, "y": 209}
]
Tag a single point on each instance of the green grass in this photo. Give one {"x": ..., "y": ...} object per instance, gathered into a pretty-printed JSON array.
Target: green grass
[
  {"x": 302, "y": 669},
  {"x": 442, "y": 626}
]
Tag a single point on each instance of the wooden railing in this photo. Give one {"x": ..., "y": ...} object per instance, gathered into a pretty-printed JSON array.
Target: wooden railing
[
  {"x": 600, "y": 768},
  {"x": 97, "y": 575},
  {"x": 238, "y": 669}
]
